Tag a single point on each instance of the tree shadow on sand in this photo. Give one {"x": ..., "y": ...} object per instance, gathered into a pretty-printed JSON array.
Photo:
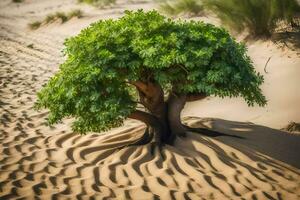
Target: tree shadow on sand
[
  {"x": 274, "y": 143},
  {"x": 233, "y": 162}
]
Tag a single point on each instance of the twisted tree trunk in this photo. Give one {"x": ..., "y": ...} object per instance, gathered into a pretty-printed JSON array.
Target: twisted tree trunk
[
  {"x": 154, "y": 129},
  {"x": 163, "y": 117}
]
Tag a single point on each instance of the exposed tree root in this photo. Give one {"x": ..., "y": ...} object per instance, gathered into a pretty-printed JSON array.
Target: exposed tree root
[
  {"x": 149, "y": 137},
  {"x": 171, "y": 139},
  {"x": 145, "y": 139},
  {"x": 163, "y": 118}
]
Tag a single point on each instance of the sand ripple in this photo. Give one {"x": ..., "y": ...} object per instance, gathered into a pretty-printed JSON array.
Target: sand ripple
[
  {"x": 38, "y": 162},
  {"x": 196, "y": 168}
]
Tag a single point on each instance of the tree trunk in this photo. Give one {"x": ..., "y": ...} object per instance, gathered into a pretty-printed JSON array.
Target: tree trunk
[
  {"x": 175, "y": 105},
  {"x": 154, "y": 128},
  {"x": 163, "y": 120},
  {"x": 152, "y": 97}
]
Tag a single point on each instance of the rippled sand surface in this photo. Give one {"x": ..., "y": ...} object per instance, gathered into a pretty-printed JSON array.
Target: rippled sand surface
[{"x": 54, "y": 163}]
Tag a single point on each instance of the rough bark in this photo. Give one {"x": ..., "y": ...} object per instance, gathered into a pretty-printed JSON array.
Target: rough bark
[
  {"x": 195, "y": 97},
  {"x": 151, "y": 122},
  {"x": 152, "y": 97},
  {"x": 163, "y": 120},
  {"x": 175, "y": 105}
]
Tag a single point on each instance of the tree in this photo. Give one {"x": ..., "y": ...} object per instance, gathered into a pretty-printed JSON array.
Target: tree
[{"x": 144, "y": 59}]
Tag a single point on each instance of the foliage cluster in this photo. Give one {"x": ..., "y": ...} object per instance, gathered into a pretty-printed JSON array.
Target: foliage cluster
[
  {"x": 34, "y": 25},
  {"x": 187, "y": 57},
  {"x": 63, "y": 17}
]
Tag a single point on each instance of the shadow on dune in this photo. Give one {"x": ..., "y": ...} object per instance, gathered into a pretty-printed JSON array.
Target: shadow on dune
[
  {"x": 225, "y": 166},
  {"x": 277, "y": 144},
  {"x": 230, "y": 164}
]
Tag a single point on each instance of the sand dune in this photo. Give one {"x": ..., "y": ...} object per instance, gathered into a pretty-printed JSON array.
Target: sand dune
[
  {"x": 54, "y": 163},
  {"x": 67, "y": 165}
]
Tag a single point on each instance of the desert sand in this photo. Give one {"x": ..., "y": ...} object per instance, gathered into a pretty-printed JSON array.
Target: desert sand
[{"x": 254, "y": 161}]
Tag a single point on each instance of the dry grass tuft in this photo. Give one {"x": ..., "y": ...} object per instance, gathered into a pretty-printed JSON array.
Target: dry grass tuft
[
  {"x": 62, "y": 16},
  {"x": 292, "y": 127},
  {"x": 177, "y": 7},
  {"x": 100, "y": 3},
  {"x": 35, "y": 25},
  {"x": 75, "y": 13}
]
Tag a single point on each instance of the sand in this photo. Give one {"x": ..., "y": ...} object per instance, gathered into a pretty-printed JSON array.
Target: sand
[{"x": 40, "y": 162}]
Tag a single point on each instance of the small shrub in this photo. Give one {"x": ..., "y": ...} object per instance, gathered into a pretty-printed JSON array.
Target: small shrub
[
  {"x": 75, "y": 13},
  {"x": 30, "y": 46},
  {"x": 50, "y": 18},
  {"x": 99, "y": 3},
  {"x": 58, "y": 15},
  {"x": 192, "y": 7},
  {"x": 62, "y": 16},
  {"x": 292, "y": 127},
  {"x": 35, "y": 25}
]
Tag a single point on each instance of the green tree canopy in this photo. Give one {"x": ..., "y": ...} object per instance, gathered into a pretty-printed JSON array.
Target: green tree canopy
[{"x": 94, "y": 86}]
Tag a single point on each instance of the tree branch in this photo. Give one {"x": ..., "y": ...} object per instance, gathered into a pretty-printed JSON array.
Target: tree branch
[
  {"x": 141, "y": 86},
  {"x": 137, "y": 102},
  {"x": 145, "y": 117},
  {"x": 195, "y": 96},
  {"x": 151, "y": 95},
  {"x": 143, "y": 92},
  {"x": 182, "y": 67}
]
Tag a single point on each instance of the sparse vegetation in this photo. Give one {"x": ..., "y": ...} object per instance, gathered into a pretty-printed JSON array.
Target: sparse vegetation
[
  {"x": 75, "y": 13},
  {"x": 30, "y": 46},
  {"x": 191, "y": 7},
  {"x": 100, "y": 3},
  {"x": 292, "y": 127},
  {"x": 34, "y": 25},
  {"x": 259, "y": 18},
  {"x": 63, "y": 17},
  {"x": 49, "y": 18}
]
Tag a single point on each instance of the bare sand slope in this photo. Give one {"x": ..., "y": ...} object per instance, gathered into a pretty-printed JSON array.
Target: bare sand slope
[{"x": 53, "y": 163}]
